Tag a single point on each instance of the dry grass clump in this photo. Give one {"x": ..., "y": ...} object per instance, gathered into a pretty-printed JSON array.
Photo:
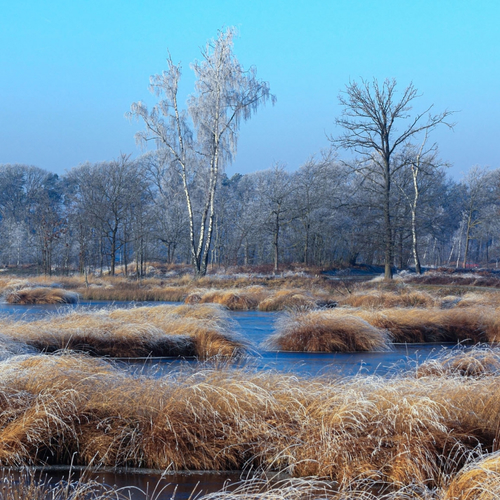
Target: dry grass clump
[
  {"x": 327, "y": 331},
  {"x": 41, "y": 295},
  {"x": 136, "y": 292},
  {"x": 474, "y": 299},
  {"x": 460, "y": 279},
  {"x": 478, "y": 481},
  {"x": 255, "y": 297},
  {"x": 381, "y": 299},
  {"x": 55, "y": 406},
  {"x": 288, "y": 299},
  {"x": 234, "y": 299},
  {"x": 478, "y": 361},
  {"x": 137, "y": 332},
  {"x": 399, "y": 431},
  {"x": 470, "y": 324}
]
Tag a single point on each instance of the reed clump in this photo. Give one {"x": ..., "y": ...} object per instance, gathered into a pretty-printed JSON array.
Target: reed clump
[
  {"x": 41, "y": 295},
  {"x": 472, "y": 324},
  {"x": 135, "y": 292},
  {"x": 478, "y": 361},
  {"x": 288, "y": 299},
  {"x": 257, "y": 297},
  {"x": 234, "y": 299},
  {"x": 474, "y": 299},
  {"x": 478, "y": 481},
  {"x": 381, "y": 299},
  {"x": 137, "y": 332},
  {"x": 398, "y": 431},
  {"x": 327, "y": 331},
  {"x": 394, "y": 431}
]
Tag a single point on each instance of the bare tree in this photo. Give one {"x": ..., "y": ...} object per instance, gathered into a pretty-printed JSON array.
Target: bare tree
[
  {"x": 480, "y": 195},
  {"x": 371, "y": 116},
  {"x": 225, "y": 94},
  {"x": 276, "y": 189},
  {"x": 108, "y": 193}
]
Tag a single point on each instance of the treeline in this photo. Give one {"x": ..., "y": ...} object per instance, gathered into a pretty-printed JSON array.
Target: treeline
[{"x": 128, "y": 212}]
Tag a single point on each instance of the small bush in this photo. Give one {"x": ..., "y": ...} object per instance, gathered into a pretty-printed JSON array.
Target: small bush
[{"x": 327, "y": 331}]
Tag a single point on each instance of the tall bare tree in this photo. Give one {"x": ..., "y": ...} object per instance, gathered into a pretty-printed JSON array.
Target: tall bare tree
[
  {"x": 108, "y": 192},
  {"x": 205, "y": 135},
  {"x": 480, "y": 195},
  {"x": 376, "y": 123}
]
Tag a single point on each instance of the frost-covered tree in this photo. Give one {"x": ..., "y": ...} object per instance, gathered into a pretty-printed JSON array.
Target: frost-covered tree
[
  {"x": 109, "y": 194},
  {"x": 202, "y": 139},
  {"x": 376, "y": 123}
]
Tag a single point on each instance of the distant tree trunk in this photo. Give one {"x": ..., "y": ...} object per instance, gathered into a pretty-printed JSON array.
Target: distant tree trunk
[
  {"x": 275, "y": 243},
  {"x": 388, "y": 242},
  {"x": 307, "y": 227},
  {"x": 418, "y": 270},
  {"x": 113, "y": 249},
  {"x": 467, "y": 238}
]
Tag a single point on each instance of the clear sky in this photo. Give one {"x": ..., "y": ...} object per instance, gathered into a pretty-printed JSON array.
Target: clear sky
[{"x": 69, "y": 70}]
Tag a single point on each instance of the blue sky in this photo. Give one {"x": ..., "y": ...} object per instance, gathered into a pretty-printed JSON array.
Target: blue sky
[{"x": 69, "y": 71}]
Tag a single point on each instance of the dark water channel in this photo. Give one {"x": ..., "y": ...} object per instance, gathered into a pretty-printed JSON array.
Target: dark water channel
[
  {"x": 133, "y": 484},
  {"x": 255, "y": 327}
]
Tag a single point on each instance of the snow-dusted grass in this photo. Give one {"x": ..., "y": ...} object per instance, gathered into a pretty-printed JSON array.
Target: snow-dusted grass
[{"x": 201, "y": 331}]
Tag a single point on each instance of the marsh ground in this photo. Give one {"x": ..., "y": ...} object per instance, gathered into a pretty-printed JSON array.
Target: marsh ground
[{"x": 428, "y": 433}]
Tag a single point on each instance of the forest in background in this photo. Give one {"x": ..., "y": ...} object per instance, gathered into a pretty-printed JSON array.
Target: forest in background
[{"x": 127, "y": 213}]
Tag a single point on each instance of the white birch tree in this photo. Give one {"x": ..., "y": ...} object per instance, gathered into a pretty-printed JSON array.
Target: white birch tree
[{"x": 205, "y": 134}]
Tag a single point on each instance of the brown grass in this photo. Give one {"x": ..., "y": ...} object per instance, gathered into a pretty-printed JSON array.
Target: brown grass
[
  {"x": 471, "y": 362},
  {"x": 177, "y": 288},
  {"x": 288, "y": 299},
  {"x": 465, "y": 279},
  {"x": 148, "y": 331},
  {"x": 478, "y": 481},
  {"x": 41, "y": 295},
  {"x": 381, "y": 299},
  {"x": 327, "y": 331},
  {"x": 399, "y": 431},
  {"x": 234, "y": 299},
  {"x": 136, "y": 293},
  {"x": 258, "y": 297},
  {"x": 473, "y": 324}
]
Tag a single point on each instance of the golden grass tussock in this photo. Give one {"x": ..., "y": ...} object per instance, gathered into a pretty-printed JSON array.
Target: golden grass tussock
[
  {"x": 41, "y": 295},
  {"x": 478, "y": 481},
  {"x": 472, "y": 324},
  {"x": 474, "y": 299},
  {"x": 380, "y": 299},
  {"x": 135, "y": 292},
  {"x": 479, "y": 361},
  {"x": 288, "y": 299},
  {"x": 327, "y": 331},
  {"x": 398, "y": 431},
  {"x": 233, "y": 299},
  {"x": 137, "y": 332},
  {"x": 255, "y": 297}
]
